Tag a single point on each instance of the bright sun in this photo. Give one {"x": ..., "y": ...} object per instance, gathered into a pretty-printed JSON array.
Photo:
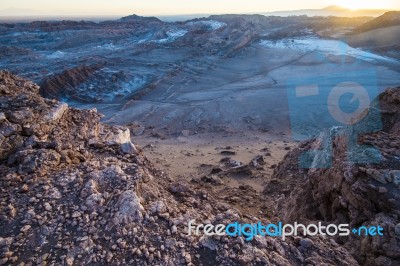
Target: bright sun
[{"x": 358, "y": 4}]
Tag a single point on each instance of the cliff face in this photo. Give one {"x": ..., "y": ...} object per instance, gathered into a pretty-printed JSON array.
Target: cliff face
[
  {"x": 358, "y": 194},
  {"x": 74, "y": 191}
]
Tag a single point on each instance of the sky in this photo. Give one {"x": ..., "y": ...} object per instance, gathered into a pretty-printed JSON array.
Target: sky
[{"x": 174, "y": 7}]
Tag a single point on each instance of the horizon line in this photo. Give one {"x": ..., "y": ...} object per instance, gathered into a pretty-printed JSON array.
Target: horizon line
[{"x": 185, "y": 14}]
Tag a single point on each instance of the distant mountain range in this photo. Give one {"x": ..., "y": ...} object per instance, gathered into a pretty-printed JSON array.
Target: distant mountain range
[
  {"x": 328, "y": 11},
  {"x": 336, "y": 11}
]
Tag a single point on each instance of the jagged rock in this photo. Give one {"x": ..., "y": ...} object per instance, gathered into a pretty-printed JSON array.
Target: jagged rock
[
  {"x": 121, "y": 136},
  {"x": 118, "y": 136},
  {"x": 258, "y": 160},
  {"x": 128, "y": 148},
  {"x": 2, "y": 117},
  {"x": 395, "y": 176},
  {"x": 56, "y": 112},
  {"x": 129, "y": 208},
  {"x": 347, "y": 192}
]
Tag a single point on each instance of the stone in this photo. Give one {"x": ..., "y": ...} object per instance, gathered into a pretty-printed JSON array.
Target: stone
[
  {"x": 227, "y": 153},
  {"x": 129, "y": 208},
  {"x": 395, "y": 175},
  {"x": 306, "y": 243},
  {"x": 47, "y": 206},
  {"x": 6, "y": 241},
  {"x": 382, "y": 190},
  {"x": 2, "y": 117},
  {"x": 188, "y": 258},
  {"x": 20, "y": 116},
  {"x": 90, "y": 188},
  {"x": 397, "y": 229},
  {"x": 174, "y": 229},
  {"x": 157, "y": 207},
  {"x": 378, "y": 176},
  {"x": 128, "y": 148},
  {"x": 25, "y": 228},
  {"x": 69, "y": 260},
  {"x": 94, "y": 202},
  {"x": 258, "y": 160},
  {"x": 56, "y": 112},
  {"x": 137, "y": 129},
  {"x": 76, "y": 214},
  {"x": 118, "y": 136}
]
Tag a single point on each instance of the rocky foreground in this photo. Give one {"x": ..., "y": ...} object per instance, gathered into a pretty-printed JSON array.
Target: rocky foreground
[
  {"x": 357, "y": 194},
  {"x": 75, "y": 191}
]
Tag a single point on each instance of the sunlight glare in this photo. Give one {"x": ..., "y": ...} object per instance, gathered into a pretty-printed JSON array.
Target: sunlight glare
[{"x": 358, "y": 4}]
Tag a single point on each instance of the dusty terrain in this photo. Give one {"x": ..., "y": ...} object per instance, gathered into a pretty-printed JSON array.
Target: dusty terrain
[
  {"x": 222, "y": 163},
  {"x": 187, "y": 157}
]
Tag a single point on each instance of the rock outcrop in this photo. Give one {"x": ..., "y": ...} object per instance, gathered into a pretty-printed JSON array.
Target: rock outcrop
[
  {"x": 348, "y": 192},
  {"x": 71, "y": 195},
  {"x": 63, "y": 84}
]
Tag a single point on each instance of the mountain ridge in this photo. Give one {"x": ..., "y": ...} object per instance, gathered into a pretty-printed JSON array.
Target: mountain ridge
[{"x": 389, "y": 19}]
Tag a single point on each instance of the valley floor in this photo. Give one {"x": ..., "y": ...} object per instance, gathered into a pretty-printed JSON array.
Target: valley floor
[{"x": 234, "y": 167}]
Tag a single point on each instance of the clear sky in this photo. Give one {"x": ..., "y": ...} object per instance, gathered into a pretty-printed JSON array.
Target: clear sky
[{"x": 172, "y": 7}]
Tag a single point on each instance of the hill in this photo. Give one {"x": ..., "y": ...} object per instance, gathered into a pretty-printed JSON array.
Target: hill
[
  {"x": 389, "y": 19},
  {"x": 329, "y": 11}
]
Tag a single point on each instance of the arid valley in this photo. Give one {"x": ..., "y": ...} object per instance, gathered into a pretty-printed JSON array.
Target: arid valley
[{"x": 114, "y": 134}]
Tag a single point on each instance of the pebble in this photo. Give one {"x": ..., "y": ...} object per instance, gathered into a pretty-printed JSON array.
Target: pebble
[
  {"x": 47, "y": 206},
  {"x": 306, "y": 243},
  {"x": 109, "y": 256},
  {"x": 395, "y": 175},
  {"x": 397, "y": 229},
  {"x": 382, "y": 190},
  {"x": 25, "y": 228},
  {"x": 174, "y": 229},
  {"x": 188, "y": 258}
]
